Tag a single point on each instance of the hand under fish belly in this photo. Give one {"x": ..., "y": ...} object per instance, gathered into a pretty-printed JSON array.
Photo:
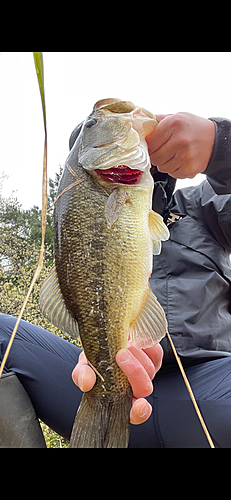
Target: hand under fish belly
[
  {"x": 105, "y": 234},
  {"x": 140, "y": 366}
]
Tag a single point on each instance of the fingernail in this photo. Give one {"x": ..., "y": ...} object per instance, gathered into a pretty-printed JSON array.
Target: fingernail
[
  {"x": 80, "y": 381},
  {"x": 143, "y": 410},
  {"x": 124, "y": 356}
]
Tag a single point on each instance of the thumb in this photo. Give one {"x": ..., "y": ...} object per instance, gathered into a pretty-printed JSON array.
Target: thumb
[{"x": 162, "y": 117}]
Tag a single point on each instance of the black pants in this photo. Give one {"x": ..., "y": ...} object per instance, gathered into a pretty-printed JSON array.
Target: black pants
[{"x": 43, "y": 363}]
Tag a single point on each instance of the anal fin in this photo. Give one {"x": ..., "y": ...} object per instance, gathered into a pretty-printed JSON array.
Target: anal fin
[
  {"x": 53, "y": 307},
  {"x": 151, "y": 325}
]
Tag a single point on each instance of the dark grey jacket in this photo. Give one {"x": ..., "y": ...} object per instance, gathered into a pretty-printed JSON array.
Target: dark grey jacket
[{"x": 192, "y": 276}]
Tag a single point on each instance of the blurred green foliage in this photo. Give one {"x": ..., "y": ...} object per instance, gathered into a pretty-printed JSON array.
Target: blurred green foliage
[{"x": 20, "y": 236}]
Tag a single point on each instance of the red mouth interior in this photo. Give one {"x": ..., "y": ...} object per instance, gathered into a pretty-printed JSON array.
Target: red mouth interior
[{"x": 120, "y": 175}]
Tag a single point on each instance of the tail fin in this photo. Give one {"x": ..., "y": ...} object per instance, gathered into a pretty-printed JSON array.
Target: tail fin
[{"x": 102, "y": 422}]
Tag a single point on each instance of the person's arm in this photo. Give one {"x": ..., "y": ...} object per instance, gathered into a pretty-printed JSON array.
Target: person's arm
[
  {"x": 139, "y": 365},
  {"x": 183, "y": 145},
  {"x": 218, "y": 170}
]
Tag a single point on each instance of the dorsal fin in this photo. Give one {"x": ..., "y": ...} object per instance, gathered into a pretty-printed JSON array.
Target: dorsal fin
[
  {"x": 53, "y": 307},
  {"x": 150, "y": 326}
]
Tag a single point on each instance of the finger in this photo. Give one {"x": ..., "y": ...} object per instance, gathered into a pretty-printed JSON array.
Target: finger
[
  {"x": 144, "y": 359},
  {"x": 156, "y": 354},
  {"x": 83, "y": 375},
  {"x": 169, "y": 166},
  {"x": 140, "y": 411},
  {"x": 161, "y": 117},
  {"x": 135, "y": 372},
  {"x": 82, "y": 359},
  {"x": 165, "y": 153},
  {"x": 160, "y": 135},
  {"x": 149, "y": 357},
  {"x": 176, "y": 170}
]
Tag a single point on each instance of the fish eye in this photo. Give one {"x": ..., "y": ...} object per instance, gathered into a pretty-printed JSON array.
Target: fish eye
[{"x": 90, "y": 123}]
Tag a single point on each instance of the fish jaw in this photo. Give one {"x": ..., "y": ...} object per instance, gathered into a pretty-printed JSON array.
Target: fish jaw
[
  {"x": 129, "y": 151},
  {"x": 113, "y": 135}
]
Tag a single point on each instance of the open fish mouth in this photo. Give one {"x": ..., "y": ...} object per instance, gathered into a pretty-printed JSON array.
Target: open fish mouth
[{"x": 121, "y": 174}]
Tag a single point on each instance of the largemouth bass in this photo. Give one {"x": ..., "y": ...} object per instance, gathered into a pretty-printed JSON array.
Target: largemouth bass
[{"x": 105, "y": 234}]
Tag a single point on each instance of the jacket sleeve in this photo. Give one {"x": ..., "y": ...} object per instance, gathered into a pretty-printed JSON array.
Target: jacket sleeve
[
  {"x": 215, "y": 203},
  {"x": 218, "y": 170}
]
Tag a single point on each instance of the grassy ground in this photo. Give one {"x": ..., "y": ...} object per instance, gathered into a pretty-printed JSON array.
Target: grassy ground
[{"x": 53, "y": 440}]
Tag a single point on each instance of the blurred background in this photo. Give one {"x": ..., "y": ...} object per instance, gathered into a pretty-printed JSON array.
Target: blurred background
[{"x": 162, "y": 82}]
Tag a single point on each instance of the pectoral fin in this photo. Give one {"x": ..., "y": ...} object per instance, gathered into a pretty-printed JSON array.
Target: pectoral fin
[
  {"x": 53, "y": 307},
  {"x": 151, "y": 325},
  {"x": 114, "y": 206},
  {"x": 158, "y": 230},
  {"x": 156, "y": 247}
]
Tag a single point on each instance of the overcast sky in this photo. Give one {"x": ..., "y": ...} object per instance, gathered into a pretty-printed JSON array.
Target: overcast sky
[{"x": 163, "y": 83}]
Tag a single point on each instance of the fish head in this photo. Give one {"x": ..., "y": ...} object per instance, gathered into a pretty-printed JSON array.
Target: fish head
[{"x": 111, "y": 141}]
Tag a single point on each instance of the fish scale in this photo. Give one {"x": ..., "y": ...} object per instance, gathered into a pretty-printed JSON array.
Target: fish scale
[{"x": 94, "y": 270}]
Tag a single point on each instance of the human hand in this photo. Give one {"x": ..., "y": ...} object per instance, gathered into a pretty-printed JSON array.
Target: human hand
[
  {"x": 181, "y": 144},
  {"x": 139, "y": 365}
]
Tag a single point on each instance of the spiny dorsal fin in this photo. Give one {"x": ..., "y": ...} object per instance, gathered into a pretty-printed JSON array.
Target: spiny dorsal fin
[
  {"x": 151, "y": 325},
  {"x": 158, "y": 230},
  {"x": 53, "y": 307}
]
